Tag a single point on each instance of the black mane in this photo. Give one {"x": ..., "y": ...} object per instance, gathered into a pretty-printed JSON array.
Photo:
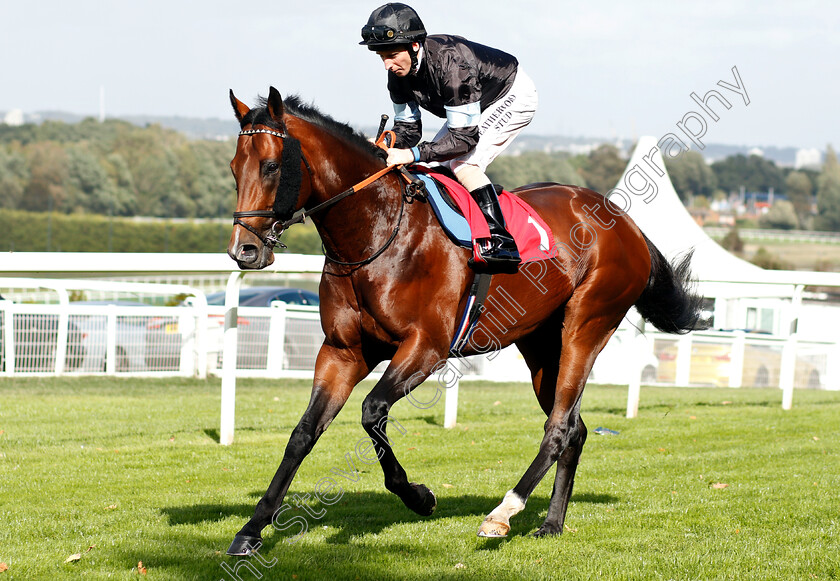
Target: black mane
[{"x": 296, "y": 107}]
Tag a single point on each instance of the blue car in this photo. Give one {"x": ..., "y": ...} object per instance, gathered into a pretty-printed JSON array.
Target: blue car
[{"x": 263, "y": 296}]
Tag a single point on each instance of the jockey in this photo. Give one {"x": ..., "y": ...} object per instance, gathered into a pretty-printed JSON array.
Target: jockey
[{"x": 483, "y": 94}]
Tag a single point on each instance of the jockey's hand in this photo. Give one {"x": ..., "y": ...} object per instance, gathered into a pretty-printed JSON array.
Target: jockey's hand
[{"x": 399, "y": 156}]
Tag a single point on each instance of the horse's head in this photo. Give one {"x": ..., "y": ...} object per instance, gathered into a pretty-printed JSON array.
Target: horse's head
[{"x": 268, "y": 173}]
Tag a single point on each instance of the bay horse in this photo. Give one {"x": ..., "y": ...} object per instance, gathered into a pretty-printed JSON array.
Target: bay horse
[{"x": 393, "y": 288}]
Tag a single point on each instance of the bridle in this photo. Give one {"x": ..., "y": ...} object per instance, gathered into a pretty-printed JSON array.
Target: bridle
[{"x": 290, "y": 182}]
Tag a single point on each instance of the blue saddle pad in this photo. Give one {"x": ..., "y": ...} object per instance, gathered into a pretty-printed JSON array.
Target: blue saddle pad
[{"x": 453, "y": 223}]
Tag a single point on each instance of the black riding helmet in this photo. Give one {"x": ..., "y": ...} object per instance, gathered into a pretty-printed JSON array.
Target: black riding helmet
[{"x": 392, "y": 24}]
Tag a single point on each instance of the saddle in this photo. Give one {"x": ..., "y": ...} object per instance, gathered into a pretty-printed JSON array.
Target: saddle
[{"x": 462, "y": 219}]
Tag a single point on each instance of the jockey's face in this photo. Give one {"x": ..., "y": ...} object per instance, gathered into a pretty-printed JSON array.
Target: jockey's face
[{"x": 397, "y": 60}]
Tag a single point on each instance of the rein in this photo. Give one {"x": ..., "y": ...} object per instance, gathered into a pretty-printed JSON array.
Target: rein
[
  {"x": 290, "y": 181},
  {"x": 376, "y": 254}
]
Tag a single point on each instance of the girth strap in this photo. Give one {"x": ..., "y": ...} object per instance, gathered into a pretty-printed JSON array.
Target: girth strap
[{"x": 478, "y": 293}]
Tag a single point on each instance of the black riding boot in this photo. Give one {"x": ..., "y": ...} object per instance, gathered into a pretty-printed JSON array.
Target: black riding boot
[{"x": 502, "y": 256}]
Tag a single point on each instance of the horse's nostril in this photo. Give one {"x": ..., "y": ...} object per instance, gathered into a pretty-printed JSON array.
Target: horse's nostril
[{"x": 248, "y": 253}]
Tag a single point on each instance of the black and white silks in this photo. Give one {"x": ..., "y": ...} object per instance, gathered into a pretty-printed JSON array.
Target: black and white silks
[{"x": 456, "y": 79}]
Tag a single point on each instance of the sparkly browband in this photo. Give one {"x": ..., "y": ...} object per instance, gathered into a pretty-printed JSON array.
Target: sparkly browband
[{"x": 268, "y": 131}]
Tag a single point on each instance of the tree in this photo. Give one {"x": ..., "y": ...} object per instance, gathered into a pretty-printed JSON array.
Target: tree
[
  {"x": 89, "y": 188},
  {"x": 691, "y": 175},
  {"x": 781, "y": 215},
  {"x": 159, "y": 189},
  {"x": 754, "y": 173},
  {"x": 124, "y": 202},
  {"x": 114, "y": 167},
  {"x": 828, "y": 194},
  {"x": 732, "y": 241},
  {"x": 14, "y": 176},
  {"x": 47, "y": 163},
  {"x": 603, "y": 168},
  {"x": 513, "y": 171},
  {"x": 205, "y": 177},
  {"x": 152, "y": 156},
  {"x": 799, "y": 189}
]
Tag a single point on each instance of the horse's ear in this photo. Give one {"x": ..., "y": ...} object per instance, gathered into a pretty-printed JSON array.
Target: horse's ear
[
  {"x": 240, "y": 109},
  {"x": 275, "y": 105}
]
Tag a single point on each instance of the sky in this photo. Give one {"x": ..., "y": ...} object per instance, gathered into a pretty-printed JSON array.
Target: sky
[{"x": 603, "y": 68}]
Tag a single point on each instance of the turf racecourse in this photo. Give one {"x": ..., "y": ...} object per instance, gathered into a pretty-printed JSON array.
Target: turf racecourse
[{"x": 705, "y": 484}]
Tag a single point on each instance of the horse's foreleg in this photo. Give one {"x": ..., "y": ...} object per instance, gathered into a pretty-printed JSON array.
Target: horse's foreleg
[
  {"x": 337, "y": 372},
  {"x": 413, "y": 362}
]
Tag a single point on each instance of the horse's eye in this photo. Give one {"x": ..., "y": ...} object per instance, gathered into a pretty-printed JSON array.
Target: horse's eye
[{"x": 271, "y": 167}]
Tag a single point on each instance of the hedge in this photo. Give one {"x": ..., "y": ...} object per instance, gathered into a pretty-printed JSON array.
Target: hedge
[{"x": 22, "y": 231}]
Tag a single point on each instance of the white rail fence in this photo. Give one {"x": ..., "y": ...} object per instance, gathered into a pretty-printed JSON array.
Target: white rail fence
[
  {"x": 154, "y": 341},
  {"x": 283, "y": 341},
  {"x": 194, "y": 339},
  {"x": 110, "y": 337},
  {"x": 56, "y": 336}
]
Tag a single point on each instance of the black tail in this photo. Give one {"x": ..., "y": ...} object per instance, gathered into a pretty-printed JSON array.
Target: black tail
[{"x": 669, "y": 301}]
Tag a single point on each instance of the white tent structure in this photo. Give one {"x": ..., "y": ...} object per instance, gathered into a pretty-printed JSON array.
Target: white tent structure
[
  {"x": 657, "y": 209},
  {"x": 646, "y": 194}
]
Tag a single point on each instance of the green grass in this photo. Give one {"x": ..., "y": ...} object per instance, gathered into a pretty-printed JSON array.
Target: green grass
[
  {"x": 129, "y": 470},
  {"x": 800, "y": 255},
  {"x": 796, "y": 255}
]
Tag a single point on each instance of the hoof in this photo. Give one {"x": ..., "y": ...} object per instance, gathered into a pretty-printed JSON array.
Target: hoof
[
  {"x": 493, "y": 529},
  {"x": 423, "y": 500},
  {"x": 244, "y": 546},
  {"x": 547, "y": 531}
]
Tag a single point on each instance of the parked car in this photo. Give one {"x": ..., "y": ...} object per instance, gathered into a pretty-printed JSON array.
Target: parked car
[
  {"x": 263, "y": 296},
  {"x": 302, "y": 339},
  {"x": 164, "y": 340},
  {"x": 130, "y": 338}
]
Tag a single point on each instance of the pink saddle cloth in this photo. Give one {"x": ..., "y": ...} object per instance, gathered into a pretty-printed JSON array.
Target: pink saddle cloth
[{"x": 532, "y": 235}]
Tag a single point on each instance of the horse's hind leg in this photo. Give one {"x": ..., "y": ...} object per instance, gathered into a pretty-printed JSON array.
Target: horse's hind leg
[
  {"x": 541, "y": 350},
  {"x": 564, "y": 480},
  {"x": 559, "y": 379}
]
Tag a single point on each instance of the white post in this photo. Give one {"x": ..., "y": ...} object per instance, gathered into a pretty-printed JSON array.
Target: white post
[
  {"x": 831, "y": 381},
  {"x": 276, "y": 338},
  {"x": 61, "y": 339},
  {"x": 229, "y": 361},
  {"x": 683, "y": 360},
  {"x": 634, "y": 369},
  {"x": 788, "y": 365},
  {"x": 450, "y": 412},
  {"x": 736, "y": 359},
  {"x": 200, "y": 334},
  {"x": 186, "y": 328},
  {"x": 634, "y": 393},
  {"x": 110, "y": 339},
  {"x": 9, "y": 338},
  {"x": 63, "y": 329}
]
